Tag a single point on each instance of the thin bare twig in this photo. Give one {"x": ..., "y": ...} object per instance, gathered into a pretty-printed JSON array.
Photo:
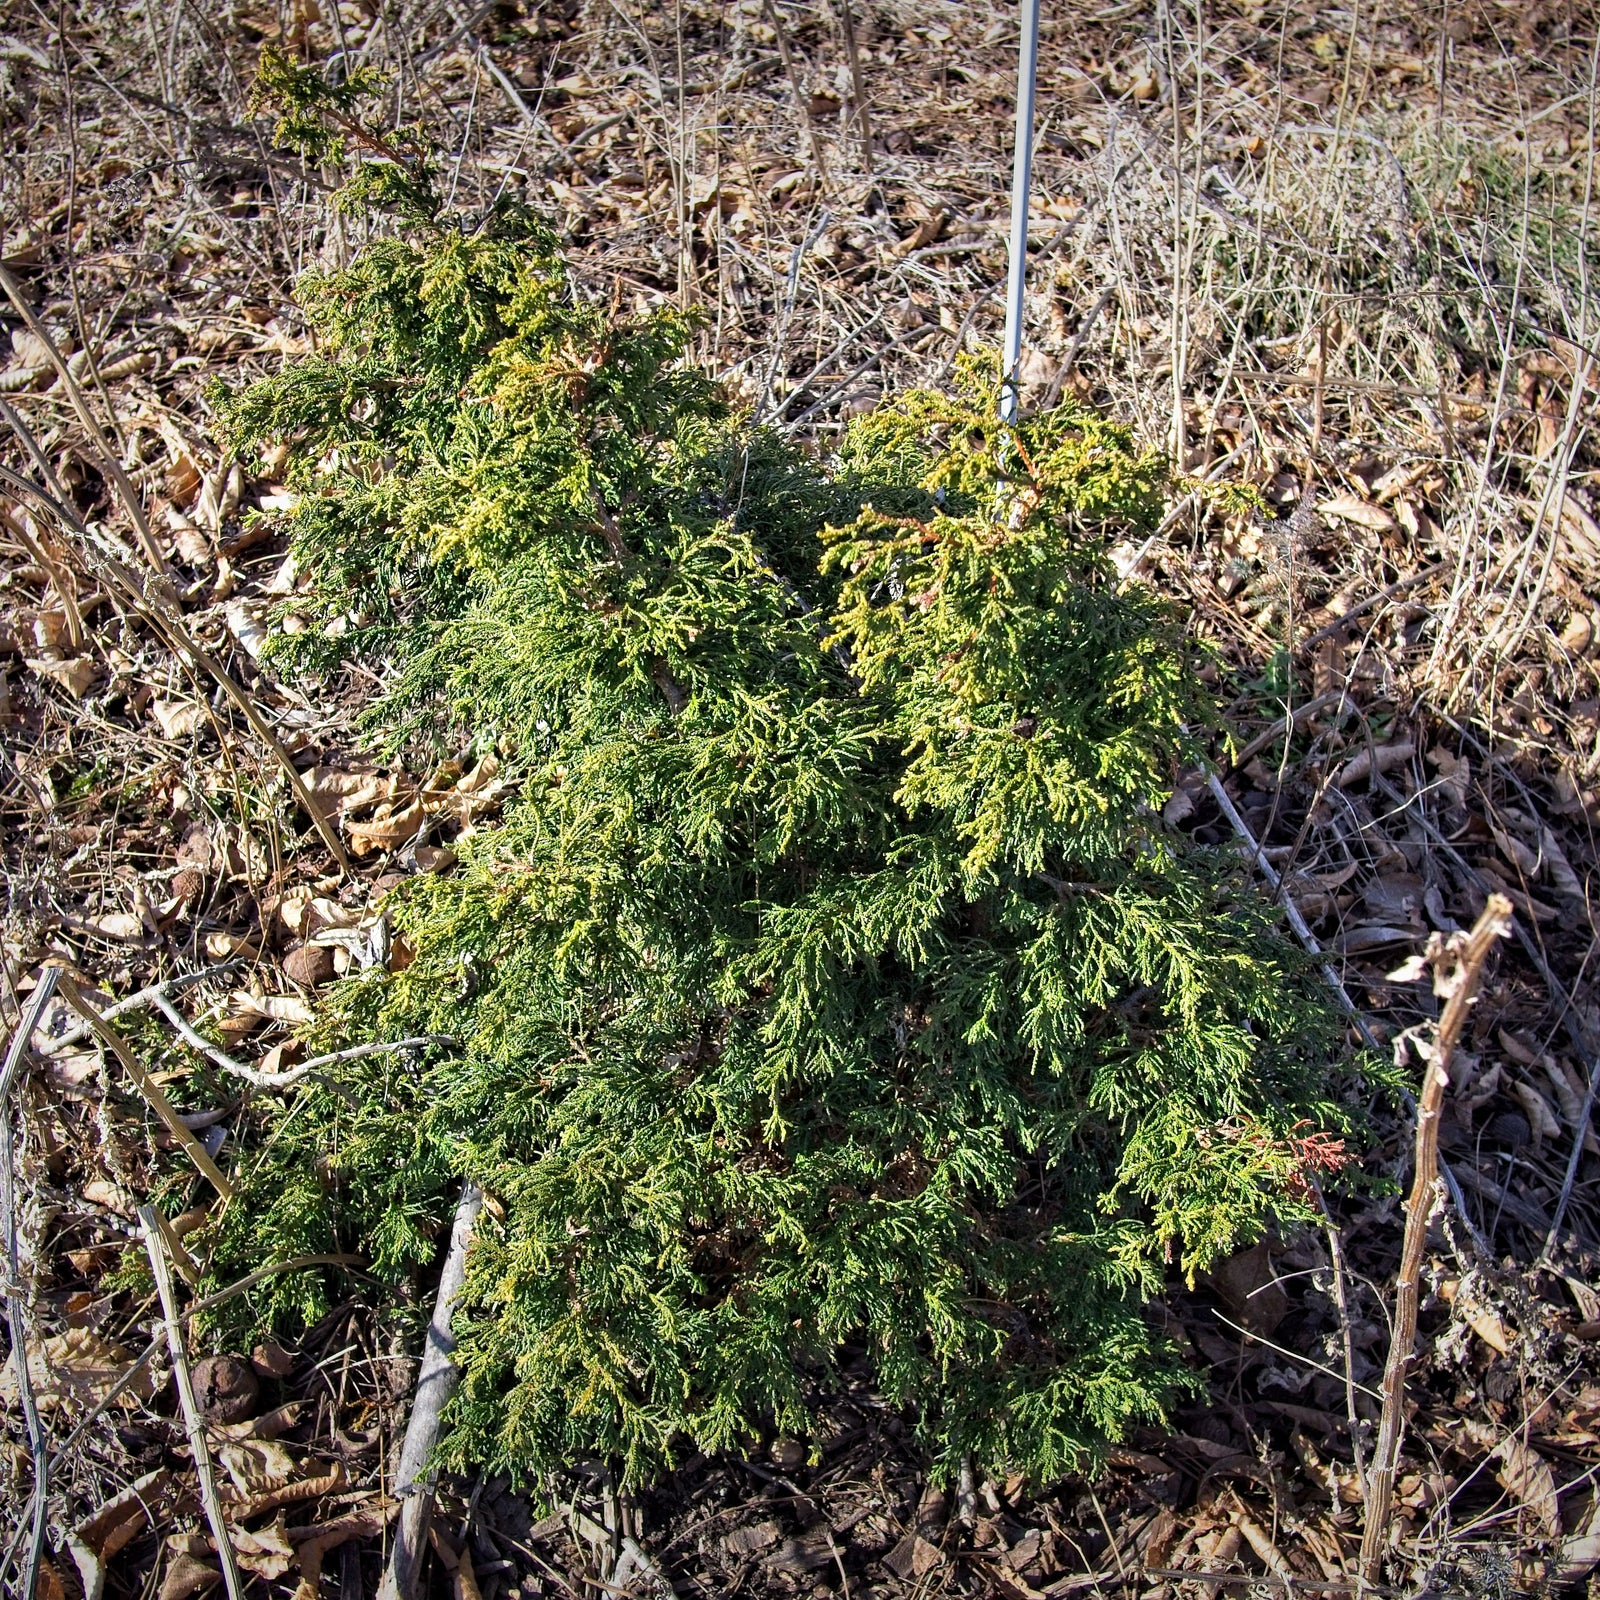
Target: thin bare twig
[
  {"x": 858, "y": 89},
  {"x": 292, "y": 1075},
  {"x": 147, "y": 1086},
  {"x": 1303, "y": 933},
  {"x": 802, "y": 109},
  {"x": 16, "y": 1307},
  {"x": 1460, "y": 983},
  {"x": 1341, "y": 1300},
  {"x": 135, "y": 1002},
  {"x": 436, "y": 1382},
  {"x": 194, "y": 1424}
]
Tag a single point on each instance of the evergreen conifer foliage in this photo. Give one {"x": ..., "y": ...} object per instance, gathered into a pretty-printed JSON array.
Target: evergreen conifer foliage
[{"x": 832, "y": 989}]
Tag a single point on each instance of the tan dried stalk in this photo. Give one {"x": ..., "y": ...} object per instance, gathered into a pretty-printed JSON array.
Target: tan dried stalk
[{"x": 1460, "y": 984}]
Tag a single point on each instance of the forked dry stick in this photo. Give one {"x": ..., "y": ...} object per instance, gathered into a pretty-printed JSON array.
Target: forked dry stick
[
  {"x": 1458, "y": 985},
  {"x": 192, "y": 1420}
]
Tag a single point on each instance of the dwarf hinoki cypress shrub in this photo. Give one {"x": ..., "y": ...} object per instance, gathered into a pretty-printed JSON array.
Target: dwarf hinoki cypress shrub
[{"x": 832, "y": 986}]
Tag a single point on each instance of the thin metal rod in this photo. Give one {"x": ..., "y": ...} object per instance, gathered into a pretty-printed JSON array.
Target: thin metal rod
[{"x": 1021, "y": 184}]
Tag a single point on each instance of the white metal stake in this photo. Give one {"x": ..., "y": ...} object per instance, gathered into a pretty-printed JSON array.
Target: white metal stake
[{"x": 1021, "y": 183}]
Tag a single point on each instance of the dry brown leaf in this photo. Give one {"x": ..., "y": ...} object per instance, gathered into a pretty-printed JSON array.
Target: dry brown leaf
[
  {"x": 1455, "y": 773},
  {"x": 1578, "y": 634},
  {"x": 348, "y": 790},
  {"x": 177, "y": 719},
  {"x": 187, "y": 1575},
  {"x": 191, "y": 543},
  {"x": 323, "y": 915},
  {"x": 480, "y": 776},
  {"x": 246, "y": 627},
  {"x": 49, "y": 1585},
  {"x": 1525, "y": 903},
  {"x": 74, "y": 673},
  {"x": 183, "y": 476},
  {"x": 1541, "y": 1119},
  {"x": 1395, "y": 897},
  {"x": 387, "y": 833},
  {"x": 288, "y": 1008},
  {"x": 926, "y": 232},
  {"x": 1349, "y": 508},
  {"x": 102, "y": 1192},
  {"x": 1581, "y": 1553},
  {"x": 1558, "y": 872},
  {"x": 1414, "y": 518},
  {"x": 30, "y": 350},
  {"x": 305, "y": 915},
  {"x": 219, "y": 499},
  {"x": 1373, "y": 936},
  {"x": 75, "y": 1368},
  {"x": 913, "y": 1557},
  {"x": 265, "y": 1551},
  {"x": 1248, "y": 1285},
  {"x": 1519, "y": 1047},
  {"x": 1579, "y": 536},
  {"x": 49, "y": 628},
  {"x": 1526, "y": 1475},
  {"x": 121, "y": 1519},
  {"x": 1524, "y": 859}
]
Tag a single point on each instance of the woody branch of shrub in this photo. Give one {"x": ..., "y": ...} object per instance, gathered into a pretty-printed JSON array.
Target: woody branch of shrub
[
  {"x": 832, "y": 992},
  {"x": 1458, "y": 970}
]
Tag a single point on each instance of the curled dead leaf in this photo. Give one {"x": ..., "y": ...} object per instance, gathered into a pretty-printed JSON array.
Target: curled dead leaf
[
  {"x": 435, "y": 858},
  {"x": 122, "y": 926},
  {"x": 348, "y": 791},
  {"x": 1379, "y": 758},
  {"x": 1541, "y": 1119},
  {"x": 289, "y": 1008}
]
